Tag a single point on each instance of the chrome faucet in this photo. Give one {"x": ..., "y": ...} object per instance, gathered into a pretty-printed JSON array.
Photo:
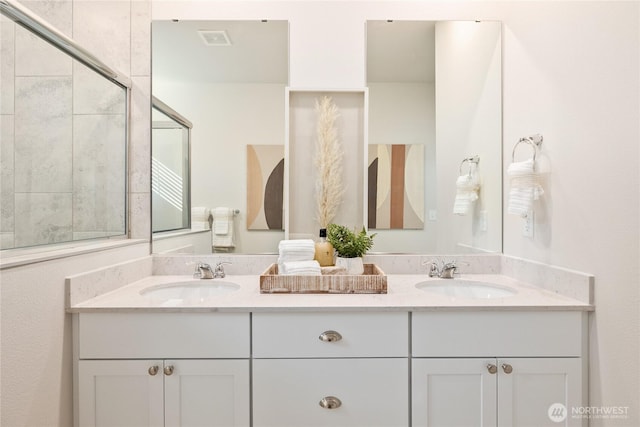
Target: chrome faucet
[
  {"x": 218, "y": 272},
  {"x": 203, "y": 271},
  {"x": 441, "y": 269}
]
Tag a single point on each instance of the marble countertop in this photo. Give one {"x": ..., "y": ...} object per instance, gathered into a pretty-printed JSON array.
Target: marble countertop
[{"x": 402, "y": 295}]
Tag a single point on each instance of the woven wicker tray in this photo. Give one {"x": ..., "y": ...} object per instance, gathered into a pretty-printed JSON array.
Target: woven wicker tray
[{"x": 373, "y": 281}]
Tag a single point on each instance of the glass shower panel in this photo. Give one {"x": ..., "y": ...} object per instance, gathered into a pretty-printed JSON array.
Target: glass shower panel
[{"x": 62, "y": 145}]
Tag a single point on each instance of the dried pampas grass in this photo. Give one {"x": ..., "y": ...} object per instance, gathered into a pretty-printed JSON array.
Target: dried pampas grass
[{"x": 328, "y": 162}]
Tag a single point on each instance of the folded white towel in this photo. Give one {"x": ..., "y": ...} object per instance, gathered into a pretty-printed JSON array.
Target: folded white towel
[
  {"x": 300, "y": 268},
  {"x": 296, "y": 250},
  {"x": 467, "y": 187},
  {"x": 525, "y": 187},
  {"x": 200, "y": 214}
]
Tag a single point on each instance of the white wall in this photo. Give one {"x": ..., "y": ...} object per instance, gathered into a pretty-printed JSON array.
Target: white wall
[
  {"x": 570, "y": 73},
  {"x": 575, "y": 80}
]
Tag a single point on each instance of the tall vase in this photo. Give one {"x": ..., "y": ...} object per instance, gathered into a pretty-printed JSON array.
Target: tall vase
[{"x": 353, "y": 266}]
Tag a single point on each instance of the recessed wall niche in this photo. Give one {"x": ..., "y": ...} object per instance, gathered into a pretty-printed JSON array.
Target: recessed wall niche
[{"x": 300, "y": 172}]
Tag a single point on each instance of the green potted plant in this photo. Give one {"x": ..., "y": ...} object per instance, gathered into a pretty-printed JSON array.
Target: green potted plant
[{"x": 349, "y": 246}]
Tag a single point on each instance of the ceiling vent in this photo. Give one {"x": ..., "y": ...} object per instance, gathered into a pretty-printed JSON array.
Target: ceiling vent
[{"x": 215, "y": 37}]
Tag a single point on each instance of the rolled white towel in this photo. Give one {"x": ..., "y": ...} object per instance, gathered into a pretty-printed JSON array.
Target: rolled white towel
[
  {"x": 467, "y": 187},
  {"x": 199, "y": 225},
  {"x": 300, "y": 268},
  {"x": 525, "y": 187},
  {"x": 199, "y": 213}
]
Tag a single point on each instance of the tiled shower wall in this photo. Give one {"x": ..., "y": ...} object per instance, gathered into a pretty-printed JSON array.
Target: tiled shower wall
[{"x": 76, "y": 118}]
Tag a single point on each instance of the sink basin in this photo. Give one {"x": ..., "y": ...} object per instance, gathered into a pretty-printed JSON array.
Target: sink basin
[
  {"x": 190, "y": 290},
  {"x": 465, "y": 289}
]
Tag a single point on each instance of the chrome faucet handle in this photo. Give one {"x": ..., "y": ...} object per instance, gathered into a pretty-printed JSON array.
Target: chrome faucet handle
[
  {"x": 434, "y": 269},
  {"x": 218, "y": 272}
]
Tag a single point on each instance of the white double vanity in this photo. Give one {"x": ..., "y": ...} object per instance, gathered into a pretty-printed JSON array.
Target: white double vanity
[{"x": 412, "y": 357}]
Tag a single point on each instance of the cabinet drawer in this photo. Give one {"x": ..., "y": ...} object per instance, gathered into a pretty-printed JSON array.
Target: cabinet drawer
[
  {"x": 489, "y": 334},
  {"x": 163, "y": 335},
  {"x": 360, "y": 335},
  {"x": 372, "y": 392}
]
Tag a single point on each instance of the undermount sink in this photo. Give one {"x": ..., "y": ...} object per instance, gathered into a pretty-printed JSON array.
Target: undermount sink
[
  {"x": 465, "y": 289},
  {"x": 190, "y": 290}
]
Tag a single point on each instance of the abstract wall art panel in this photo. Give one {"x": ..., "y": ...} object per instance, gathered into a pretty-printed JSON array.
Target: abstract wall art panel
[
  {"x": 396, "y": 186},
  {"x": 265, "y": 183}
]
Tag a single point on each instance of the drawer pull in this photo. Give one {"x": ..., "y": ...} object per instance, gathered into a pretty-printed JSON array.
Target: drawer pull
[
  {"x": 330, "y": 402},
  {"x": 168, "y": 370},
  {"x": 153, "y": 370},
  {"x": 507, "y": 368},
  {"x": 330, "y": 336},
  {"x": 492, "y": 368}
]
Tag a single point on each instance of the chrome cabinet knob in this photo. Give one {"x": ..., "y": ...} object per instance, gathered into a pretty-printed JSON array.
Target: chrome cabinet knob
[
  {"x": 168, "y": 370},
  {"x": 153, "y": 370},
  {"x": 507, "y": 368},
  {"x": 330, "y": 336},
  {"x": 330, "y": 402},
  {"x": 492, "y": 368}
]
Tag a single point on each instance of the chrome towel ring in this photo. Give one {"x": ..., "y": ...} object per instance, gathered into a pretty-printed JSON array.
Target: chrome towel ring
[
  {"x": 474, "y": 159},
  {"x": 534, "y": 140}
]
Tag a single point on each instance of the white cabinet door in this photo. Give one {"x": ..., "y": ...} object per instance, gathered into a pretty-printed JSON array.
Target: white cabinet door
[
  {"x": 533, "y": 386},
  {"x": 121, "y": 393},
  {"x": 453, "y": 393},
  {"x": 371, "y": 392},
  {"x": 212, "y": 393}
]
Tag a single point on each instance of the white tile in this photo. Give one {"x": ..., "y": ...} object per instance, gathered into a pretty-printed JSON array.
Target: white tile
[
  {"x": 36, "y": 57},
  {"x": 7, "y": 64},
  {"x": 140, "y": 38},
  {"x": 140, "y": 169},
  {"x": 99, "y": 156},
  {"x": 42, "y": 218},
  {"x": 6, "y": 174},
  {"x": 140, "y": 215},
  {"x": 104, "y": 29},
  {"x": 94, "y": 94},
  {"x": 43, "y": 135}
]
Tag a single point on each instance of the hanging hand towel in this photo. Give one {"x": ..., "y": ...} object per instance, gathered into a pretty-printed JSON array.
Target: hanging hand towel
[
  {"x": 222, "y": 232},
  {"x": 467, "y": 187},
  {"x": 525, "y": 187}
]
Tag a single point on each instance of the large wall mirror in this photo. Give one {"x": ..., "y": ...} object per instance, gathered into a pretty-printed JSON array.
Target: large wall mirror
[
  {"x": 435, "y": 133},
  {"x": 228, "y": 78},
  {"x": 434, "y": 115}
]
